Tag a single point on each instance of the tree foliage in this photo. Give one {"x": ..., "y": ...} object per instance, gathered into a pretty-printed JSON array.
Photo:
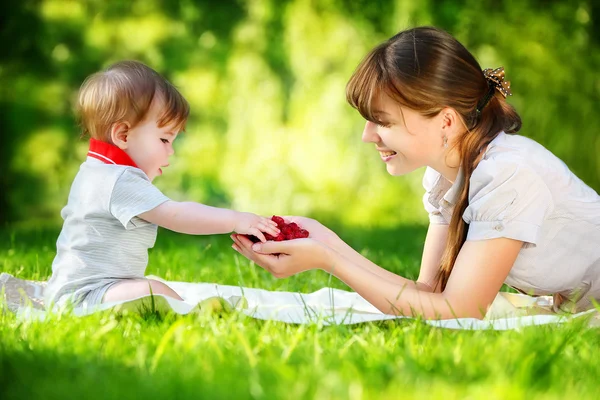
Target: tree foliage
[{"x": 270, "y": 131}]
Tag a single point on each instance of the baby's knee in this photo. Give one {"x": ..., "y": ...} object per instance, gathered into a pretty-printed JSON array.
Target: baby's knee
[{"x": 160, "y": 288}]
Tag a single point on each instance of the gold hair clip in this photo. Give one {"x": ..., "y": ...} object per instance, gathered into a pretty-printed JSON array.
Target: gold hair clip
[
  {"x": 496, "y": 77},
  {"x": 495, "y": 81}
]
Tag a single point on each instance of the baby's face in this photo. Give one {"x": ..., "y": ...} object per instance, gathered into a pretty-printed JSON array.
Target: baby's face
[{"x": 149, "y": 145}]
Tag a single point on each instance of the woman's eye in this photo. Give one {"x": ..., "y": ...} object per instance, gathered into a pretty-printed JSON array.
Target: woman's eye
[{"x": 164, "y": 140}]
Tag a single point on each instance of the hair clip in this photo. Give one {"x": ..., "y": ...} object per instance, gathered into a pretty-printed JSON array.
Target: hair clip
[
  {"x": 496, "y": 76},
  {"x": 495, "y": 81}
]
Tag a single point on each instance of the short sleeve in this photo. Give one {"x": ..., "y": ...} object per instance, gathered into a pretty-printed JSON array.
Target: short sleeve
[
  {"x": 132, "y": 195},
  {"x": 430, "y": 179},
  {"x": 506, "y": 199}
]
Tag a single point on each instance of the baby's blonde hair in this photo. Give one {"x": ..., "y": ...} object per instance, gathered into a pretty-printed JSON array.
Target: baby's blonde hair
[{"x": 124, "y": 92}]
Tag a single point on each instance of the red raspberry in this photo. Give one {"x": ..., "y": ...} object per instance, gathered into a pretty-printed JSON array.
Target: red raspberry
[
  {"x": 278, "y": 220},
  {"x": 303, "y": 233},
  {"x": 287, "y": 231}
]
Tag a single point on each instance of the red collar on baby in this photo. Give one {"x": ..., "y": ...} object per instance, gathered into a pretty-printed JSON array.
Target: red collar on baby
[{"x": 109, "y": 153}]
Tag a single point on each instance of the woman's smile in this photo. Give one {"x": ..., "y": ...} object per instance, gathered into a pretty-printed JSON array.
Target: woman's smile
[{"x": 387, "y": 155}]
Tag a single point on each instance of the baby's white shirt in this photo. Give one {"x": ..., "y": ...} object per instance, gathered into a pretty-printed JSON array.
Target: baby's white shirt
[{"x": 102, "y": 239}]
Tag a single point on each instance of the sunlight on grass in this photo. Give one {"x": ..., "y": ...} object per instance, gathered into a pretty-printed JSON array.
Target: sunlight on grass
[{"x": 220, "y": 355}]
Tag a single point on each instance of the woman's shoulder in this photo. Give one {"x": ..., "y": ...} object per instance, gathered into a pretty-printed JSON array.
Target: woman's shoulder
[
  {"x": 511, "y": 148},
  {"x": 511, "y": 164},
  {"x": 526, "y": 161},
  {"x": 504, "y": 156}
]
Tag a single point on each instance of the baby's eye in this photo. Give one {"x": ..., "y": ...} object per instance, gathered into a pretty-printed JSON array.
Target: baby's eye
[
  {"x": 164, "y": 140},
  {"x": 382, "y": 124}
]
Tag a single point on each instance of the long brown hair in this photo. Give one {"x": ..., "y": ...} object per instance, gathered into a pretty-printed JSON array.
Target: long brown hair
[{"x": 426, "y": 69}]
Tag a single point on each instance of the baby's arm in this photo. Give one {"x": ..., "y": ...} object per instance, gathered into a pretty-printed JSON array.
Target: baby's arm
[{"x": 199, "y": 219}]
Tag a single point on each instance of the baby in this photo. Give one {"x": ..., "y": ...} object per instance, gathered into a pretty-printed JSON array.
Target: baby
[{"x": 132, "y": 115}]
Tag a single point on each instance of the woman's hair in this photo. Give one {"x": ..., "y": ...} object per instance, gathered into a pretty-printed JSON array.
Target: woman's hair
[
  {"x": 426, "y": 69},
  {"x": 125, "y": 92}
]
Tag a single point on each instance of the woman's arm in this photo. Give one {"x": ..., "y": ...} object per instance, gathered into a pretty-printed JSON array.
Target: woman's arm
[
  {"x": 478, "y": 274},
  {"x": 432, "y": 253},
  {"x": 199, "y": 219},
  {"x": 430, "y": 262},
  {"x": 435, "y": 243}
]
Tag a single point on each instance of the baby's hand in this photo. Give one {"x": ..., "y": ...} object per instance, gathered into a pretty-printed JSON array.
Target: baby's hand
[{"x": 252, "y": 224}]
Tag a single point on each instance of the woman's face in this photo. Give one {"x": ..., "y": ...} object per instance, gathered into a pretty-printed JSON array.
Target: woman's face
[{"x": 404, "y": 138}]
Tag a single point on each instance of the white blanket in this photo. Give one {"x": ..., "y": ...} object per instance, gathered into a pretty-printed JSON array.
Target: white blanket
[{"x": 326, "y": 306}]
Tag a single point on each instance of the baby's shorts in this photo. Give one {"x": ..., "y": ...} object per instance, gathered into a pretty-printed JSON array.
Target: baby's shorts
[{"x": 85, "y": 298}]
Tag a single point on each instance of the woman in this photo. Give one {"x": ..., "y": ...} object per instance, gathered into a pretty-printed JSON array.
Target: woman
[{"x": 502, "y": 208}]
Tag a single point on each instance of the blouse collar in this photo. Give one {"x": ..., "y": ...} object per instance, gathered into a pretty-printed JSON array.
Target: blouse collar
[{"x": 445, "y": 194}]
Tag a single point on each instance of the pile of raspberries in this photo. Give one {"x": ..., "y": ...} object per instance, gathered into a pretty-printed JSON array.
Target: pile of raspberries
[{"x": 286, "y": 231}]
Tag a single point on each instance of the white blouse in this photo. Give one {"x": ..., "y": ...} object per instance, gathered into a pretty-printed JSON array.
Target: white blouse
[{"x": 520, "y": 190}]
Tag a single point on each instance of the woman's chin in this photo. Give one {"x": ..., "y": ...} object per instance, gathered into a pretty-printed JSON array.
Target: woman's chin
[{"x": 396, "y": 170}]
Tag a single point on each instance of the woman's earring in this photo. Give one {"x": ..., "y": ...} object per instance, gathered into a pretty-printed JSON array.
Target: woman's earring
[{"x": 445, "y": 141}]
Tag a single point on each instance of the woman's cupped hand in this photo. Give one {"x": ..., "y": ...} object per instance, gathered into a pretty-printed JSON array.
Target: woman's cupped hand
[{"x": 290, "y": 257}]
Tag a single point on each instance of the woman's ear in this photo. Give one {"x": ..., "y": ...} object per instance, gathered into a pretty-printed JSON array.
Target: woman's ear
[
  {"x": 451, "y": 123},
  {"x": 118, "y": 134}
]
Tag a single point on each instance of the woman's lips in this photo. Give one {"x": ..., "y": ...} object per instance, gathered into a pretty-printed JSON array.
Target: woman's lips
[{"x": 387, "y": 155}]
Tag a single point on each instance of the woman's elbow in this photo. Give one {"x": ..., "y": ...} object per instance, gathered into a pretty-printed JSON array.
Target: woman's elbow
[{"x": 459, "y": 308}]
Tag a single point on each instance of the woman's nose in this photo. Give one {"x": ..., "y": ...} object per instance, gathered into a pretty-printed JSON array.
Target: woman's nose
[{"x": 369, "y": 134}]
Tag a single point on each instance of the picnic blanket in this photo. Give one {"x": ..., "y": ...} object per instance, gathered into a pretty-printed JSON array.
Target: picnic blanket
[{"x": 326, "y": 306}]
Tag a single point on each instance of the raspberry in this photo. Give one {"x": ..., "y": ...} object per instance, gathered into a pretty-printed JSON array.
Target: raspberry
[
  {"x": 287, "y": 231},
  {"x": 278, "y": 220}
]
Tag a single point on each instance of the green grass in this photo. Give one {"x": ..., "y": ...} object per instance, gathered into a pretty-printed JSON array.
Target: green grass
[{"x": 235, "y": 357}]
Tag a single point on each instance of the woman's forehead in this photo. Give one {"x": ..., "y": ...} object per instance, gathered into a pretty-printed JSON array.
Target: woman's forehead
[{"x": 383, "y": 105}]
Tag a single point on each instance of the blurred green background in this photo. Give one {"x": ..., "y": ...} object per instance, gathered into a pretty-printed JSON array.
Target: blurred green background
[{"x": 270, "y": 131}]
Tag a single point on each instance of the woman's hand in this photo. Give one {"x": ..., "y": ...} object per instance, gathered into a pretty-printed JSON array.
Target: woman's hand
[
  {"x": 286, "y": 258},
  {"x": 316, "y": 230}
]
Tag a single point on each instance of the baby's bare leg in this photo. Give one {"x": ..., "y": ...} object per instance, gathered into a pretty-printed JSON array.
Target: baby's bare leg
[{"x": 133, "y": 288}]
